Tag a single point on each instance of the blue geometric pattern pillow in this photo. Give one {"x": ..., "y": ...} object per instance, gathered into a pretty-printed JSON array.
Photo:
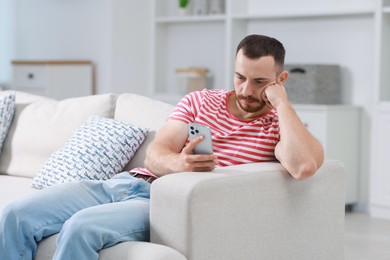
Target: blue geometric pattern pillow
[
  {"x": 7, "y": 109},
  {"x": 98, "y": 150}
]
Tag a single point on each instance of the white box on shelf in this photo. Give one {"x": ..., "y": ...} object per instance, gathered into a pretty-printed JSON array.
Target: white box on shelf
[
  {"x": 201, "y": 7},
  {"x": 216, "y": 6},
  {"x": 192, "y": 79}
]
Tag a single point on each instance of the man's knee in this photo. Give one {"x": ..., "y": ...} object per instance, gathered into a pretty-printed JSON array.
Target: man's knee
[
  {"x": 16, "y": 216},
  {"x": 77, "y": 227},
  {"x": 14, "y": 211}
]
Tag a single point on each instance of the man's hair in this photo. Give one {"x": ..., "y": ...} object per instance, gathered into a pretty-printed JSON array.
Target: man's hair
[{"x": 255, "y": 46}]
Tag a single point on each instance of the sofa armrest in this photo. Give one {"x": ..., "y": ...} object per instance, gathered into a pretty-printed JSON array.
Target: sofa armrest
[{"x": 253, "y": 211}]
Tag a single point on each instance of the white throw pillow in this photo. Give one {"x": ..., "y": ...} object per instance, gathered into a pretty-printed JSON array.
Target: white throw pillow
[
  {"x": 154, "y": 115},
  {"x": 41, "y": 126},
  {"x": 98, "y": 150},
  {"x": 7, "y": 109}
]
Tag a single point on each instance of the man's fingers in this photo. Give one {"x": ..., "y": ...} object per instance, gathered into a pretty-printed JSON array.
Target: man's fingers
[
  {"x": 265, "y": 98},
  {"x": 197, "y": 162},
  {"x": 201, "y": 159},
  {"x": 188, "y": 149},
  {"x": 204, "y": 169},
  {"x": 270, "y": 84},
  {"x": 200, "y": 162}
]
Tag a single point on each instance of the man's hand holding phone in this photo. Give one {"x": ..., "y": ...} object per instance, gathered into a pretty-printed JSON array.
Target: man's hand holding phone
[{"x": 198, "y": 154}]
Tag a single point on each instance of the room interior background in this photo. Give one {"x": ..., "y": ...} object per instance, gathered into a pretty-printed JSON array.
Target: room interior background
[{"x": 120, "y": 38}]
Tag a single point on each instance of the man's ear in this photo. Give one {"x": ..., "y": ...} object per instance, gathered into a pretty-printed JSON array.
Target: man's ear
[{"x": 282, "y": 77}]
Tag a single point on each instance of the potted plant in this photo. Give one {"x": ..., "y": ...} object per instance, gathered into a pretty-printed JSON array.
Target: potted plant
[{"x": 184, "y": 7}]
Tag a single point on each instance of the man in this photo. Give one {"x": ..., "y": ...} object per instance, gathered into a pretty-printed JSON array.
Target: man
[
  {"x": 253, "y": 123},
  {"x": 259, "y": 95}
]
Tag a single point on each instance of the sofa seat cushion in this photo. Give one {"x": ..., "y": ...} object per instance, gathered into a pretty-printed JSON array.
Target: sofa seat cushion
[
  {"x": 144, "y": 112},
  {"x": 12, "y": 188},
  {"x": 124, "y": 251},
  {"x": 41, "y": 125}
]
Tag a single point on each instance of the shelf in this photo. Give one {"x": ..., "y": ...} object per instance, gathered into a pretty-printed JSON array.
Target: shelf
[
  {"x": 386, "y": 9},
  {"x": 191, "y": 19},
  {"x": 302, "y": 13}
]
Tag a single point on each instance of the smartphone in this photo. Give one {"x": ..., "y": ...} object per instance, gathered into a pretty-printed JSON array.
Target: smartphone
[{"x": 195, "y": 130}]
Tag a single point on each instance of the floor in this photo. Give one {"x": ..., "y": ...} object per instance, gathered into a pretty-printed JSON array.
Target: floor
[{"x": 366, "y": 238}]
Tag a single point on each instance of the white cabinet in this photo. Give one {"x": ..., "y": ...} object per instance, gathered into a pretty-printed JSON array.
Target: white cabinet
[
  {"x": 55, "y": 79},
  {"x": 380, "y": 177},
  {"x": 338, "y": 130}
]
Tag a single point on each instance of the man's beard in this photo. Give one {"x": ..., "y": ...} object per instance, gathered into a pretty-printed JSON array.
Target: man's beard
[{"x": 258, "y": 105}]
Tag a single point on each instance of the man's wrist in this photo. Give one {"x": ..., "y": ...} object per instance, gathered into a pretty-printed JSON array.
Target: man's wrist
[{"x": 284, "y": 105}]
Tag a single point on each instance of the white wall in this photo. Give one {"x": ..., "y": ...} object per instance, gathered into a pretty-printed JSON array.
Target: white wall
[
  {"x": 6, "y": 41},
  {"x": 112, "y": 34},
  {"x": 55, "y": 29},
  {"x": 131, "y": 46}
]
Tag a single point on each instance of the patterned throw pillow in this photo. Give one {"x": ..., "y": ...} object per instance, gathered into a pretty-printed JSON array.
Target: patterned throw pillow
[
  {"x": 98, "y": 150},
  {"x": 7, "y": 109}
]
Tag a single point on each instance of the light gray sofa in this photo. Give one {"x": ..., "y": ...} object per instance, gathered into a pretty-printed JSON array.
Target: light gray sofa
[{"x": 253, "y": 211}]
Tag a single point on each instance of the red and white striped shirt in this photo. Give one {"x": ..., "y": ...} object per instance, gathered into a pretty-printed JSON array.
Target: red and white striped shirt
[{"x": 235, "y": 141}]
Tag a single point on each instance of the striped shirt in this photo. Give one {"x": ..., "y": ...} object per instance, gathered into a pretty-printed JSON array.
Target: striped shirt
[{"x": 235, "y": 141}]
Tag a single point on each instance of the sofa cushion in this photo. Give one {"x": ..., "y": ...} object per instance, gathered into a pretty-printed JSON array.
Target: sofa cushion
[
  {"x": 144, "y": 112},
  {"x": 41, "y": 126},
  {"x": 98, "y": 150},
  {"x": 12, "y": 188},
  {"x": 7, "y": 108},
  {"x": 133, "y": 250}
]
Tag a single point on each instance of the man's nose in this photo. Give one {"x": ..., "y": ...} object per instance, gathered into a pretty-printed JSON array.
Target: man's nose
[{"x": 247, "y": 89}]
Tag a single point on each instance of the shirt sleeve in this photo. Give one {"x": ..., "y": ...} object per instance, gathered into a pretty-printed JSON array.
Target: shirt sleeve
[{"x": 187, "y": 108}]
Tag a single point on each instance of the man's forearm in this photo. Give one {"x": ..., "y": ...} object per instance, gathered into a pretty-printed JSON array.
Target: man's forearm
[
  {"x": 298, "y": 151},
  {"x": 160, "y": 161}
]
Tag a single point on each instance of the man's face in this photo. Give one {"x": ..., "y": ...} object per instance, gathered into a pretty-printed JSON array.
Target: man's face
[{"x": 250, "y": 80}]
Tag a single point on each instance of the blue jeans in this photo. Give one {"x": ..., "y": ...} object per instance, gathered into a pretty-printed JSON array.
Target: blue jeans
[{"x": 88, "y": 215}]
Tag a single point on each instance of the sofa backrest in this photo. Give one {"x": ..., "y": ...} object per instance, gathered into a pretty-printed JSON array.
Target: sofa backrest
[
  {"x": 41, "y": 126},
  {"x": 144, "y": 112}
]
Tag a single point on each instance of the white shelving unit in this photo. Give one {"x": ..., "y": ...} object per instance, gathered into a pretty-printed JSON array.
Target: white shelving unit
[
  {"x": 201, "y": 43},
  {"x": 379, "y": 179},
  {"x": 383, "y": 52},
  {"x": 190, "y": 19},
  {"x": 210, "y": 40}
]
